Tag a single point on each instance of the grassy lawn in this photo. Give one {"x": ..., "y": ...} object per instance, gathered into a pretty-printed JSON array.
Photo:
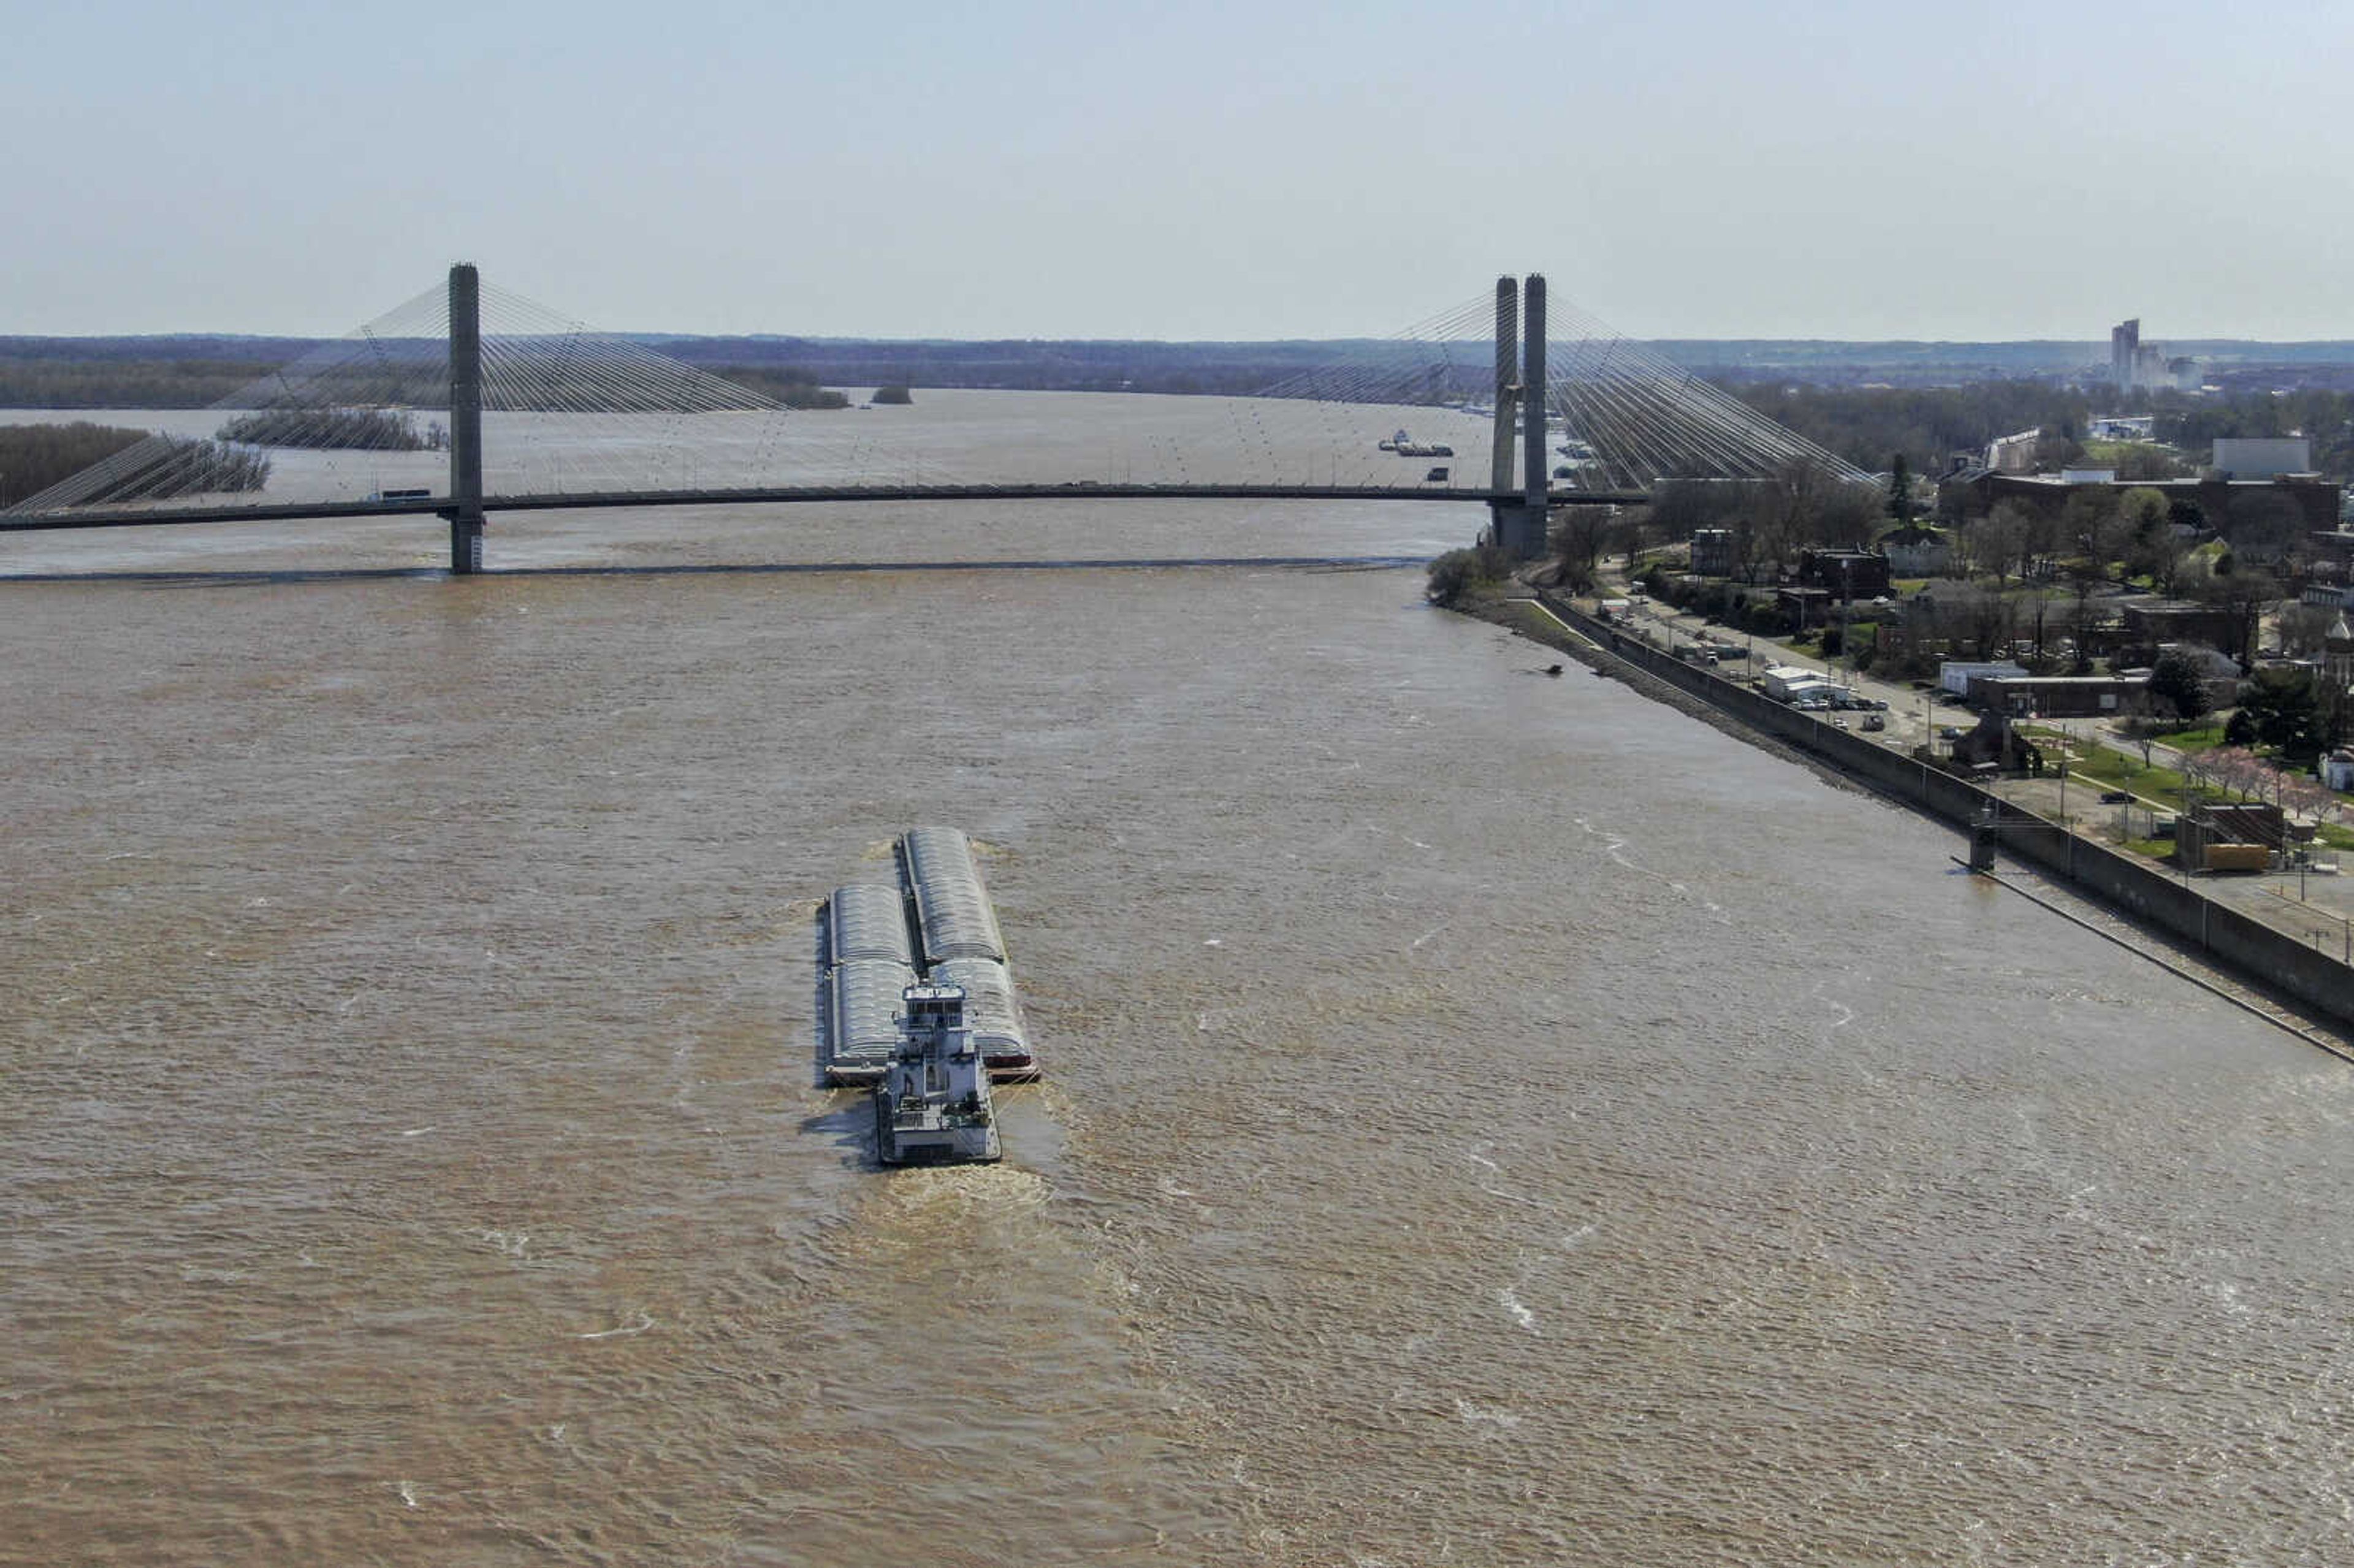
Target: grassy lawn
[
  {"x": 2204, "y": 737},
  {"x": 2336, "y": 835},
  {"x": 2116, "y": 770}
]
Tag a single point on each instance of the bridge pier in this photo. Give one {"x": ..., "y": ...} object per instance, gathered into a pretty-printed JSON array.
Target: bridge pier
[
  {"x": 465, "y": 545},
  {"x": 465, "y": 512},
  {"x": 1517, "y": 530}
]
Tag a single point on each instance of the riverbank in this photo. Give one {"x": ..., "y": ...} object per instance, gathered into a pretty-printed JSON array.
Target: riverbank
[
  {"x": 2316, "y": 985},
  {"x": 1519, "y": 608}
]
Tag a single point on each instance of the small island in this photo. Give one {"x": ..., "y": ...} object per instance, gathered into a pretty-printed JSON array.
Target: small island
[
  {"x": 891, "y": 395},
  {"x": 333, "y": 429}
]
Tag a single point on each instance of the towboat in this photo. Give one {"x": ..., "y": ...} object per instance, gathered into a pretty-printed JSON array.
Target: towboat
[{"x": 932, "y": 1108}]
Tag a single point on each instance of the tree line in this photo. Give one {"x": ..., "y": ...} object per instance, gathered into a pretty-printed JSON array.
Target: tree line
[
  {"x": 48, "y": 383},
  {"x": 35, "y": 457},
  {"x": 51, "y": 381},
  {"x": 1927, "y": 425}
]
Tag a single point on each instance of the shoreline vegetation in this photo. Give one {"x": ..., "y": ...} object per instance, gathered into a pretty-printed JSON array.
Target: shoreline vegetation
[
  {"x": 72, "y": 374},
  {"x": 339, "y": 429},
  {"x": 35, "y": 457}
]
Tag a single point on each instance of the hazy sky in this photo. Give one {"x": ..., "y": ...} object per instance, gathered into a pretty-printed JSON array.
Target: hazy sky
[{"x": 1814, "y": 168}]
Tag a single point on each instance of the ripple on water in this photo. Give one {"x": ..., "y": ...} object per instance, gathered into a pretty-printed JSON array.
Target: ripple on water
[{"x": 1488, "y": 1120}]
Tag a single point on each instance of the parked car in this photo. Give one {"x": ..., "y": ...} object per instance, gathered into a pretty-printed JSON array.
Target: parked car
[
  {"x": 1950, "y": 732},
  {"x": 1875, "y": 721},
  {"x": 2116, "y": 797}
]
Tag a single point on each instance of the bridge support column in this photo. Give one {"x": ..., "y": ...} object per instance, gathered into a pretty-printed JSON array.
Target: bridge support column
[
  {"x": 465, "y": 512},
  {"x": 1533, "y": 396},
  {"x": 1508, "y": 378},
  {"x": 465, "y": 547},
  {"x": 1520, "y": 526},
  {"x": 1516, "y": 530}
]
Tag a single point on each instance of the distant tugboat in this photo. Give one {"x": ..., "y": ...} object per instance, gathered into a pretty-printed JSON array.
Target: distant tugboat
[{"x": 932, "y": 1106}]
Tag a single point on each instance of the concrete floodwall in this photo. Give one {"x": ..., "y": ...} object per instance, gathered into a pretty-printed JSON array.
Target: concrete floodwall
[{"x": 2164, "y": 899}]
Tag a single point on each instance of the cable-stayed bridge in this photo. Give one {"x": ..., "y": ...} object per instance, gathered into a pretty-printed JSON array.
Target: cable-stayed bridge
[{"x": 468, "y": 401}]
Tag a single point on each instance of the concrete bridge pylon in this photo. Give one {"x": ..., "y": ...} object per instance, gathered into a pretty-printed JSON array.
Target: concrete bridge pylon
[
  {"x": 465, "y": 510},
  {"x": 1518, "y": 525},
  {"x": 1507, "y": 379}
]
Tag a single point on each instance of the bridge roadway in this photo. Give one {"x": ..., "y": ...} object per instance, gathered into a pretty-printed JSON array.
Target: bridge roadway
[{"x": 1073, "y": 490}]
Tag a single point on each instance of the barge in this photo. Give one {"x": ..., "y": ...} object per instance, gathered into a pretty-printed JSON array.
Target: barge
[
  {"x": 865, "y": 959},
  {"x": 892, "y": 958}
]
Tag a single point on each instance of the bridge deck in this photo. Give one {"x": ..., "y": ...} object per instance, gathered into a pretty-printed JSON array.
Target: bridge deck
[{"x": 165, "y": 514}]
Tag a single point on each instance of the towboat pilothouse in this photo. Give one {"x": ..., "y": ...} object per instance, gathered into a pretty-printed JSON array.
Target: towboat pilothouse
[{"x": 933, "y": 1107}]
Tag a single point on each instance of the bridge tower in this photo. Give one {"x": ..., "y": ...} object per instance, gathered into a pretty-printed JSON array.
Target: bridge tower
[
  {"x": 1519, "y": 522},
  {"x": 465, "y": 509},
  {"x": 1508, "y": 378}
]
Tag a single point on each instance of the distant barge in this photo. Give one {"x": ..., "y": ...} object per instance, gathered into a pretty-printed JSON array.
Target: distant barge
[
  {"x": 1407, "y": 446},
  {"x": 915, "y": 997}
]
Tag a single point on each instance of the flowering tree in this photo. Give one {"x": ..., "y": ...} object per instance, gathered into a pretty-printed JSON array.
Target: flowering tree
[
  {"x": 2310, "y": 798},
  {"x": 2241, "y": 771}
]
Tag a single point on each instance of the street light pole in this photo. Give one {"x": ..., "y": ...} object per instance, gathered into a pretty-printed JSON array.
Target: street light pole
[
  {"x": 1924, "y": 747},
  {"x": 2062, "y": 747},
  {"x": 2181, "y": 826}
]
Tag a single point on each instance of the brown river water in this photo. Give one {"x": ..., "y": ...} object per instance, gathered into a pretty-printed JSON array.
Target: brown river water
[{"x": 1491, "y": 1118}]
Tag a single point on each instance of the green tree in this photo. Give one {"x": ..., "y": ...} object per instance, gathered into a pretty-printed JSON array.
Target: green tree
[
  {"x": 2284, "y": 712},
  {"x": 1899, "y": 490},
  {"x": 2177, "y": 689},
  {"x": 1458, "y": 572}
]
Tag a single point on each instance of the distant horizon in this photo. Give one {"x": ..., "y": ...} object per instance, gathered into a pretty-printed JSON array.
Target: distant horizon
[{"x": 2095, "y": 345}]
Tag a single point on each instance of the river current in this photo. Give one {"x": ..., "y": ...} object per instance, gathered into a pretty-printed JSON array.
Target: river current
[{"x": 1488, "y": 1117}]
